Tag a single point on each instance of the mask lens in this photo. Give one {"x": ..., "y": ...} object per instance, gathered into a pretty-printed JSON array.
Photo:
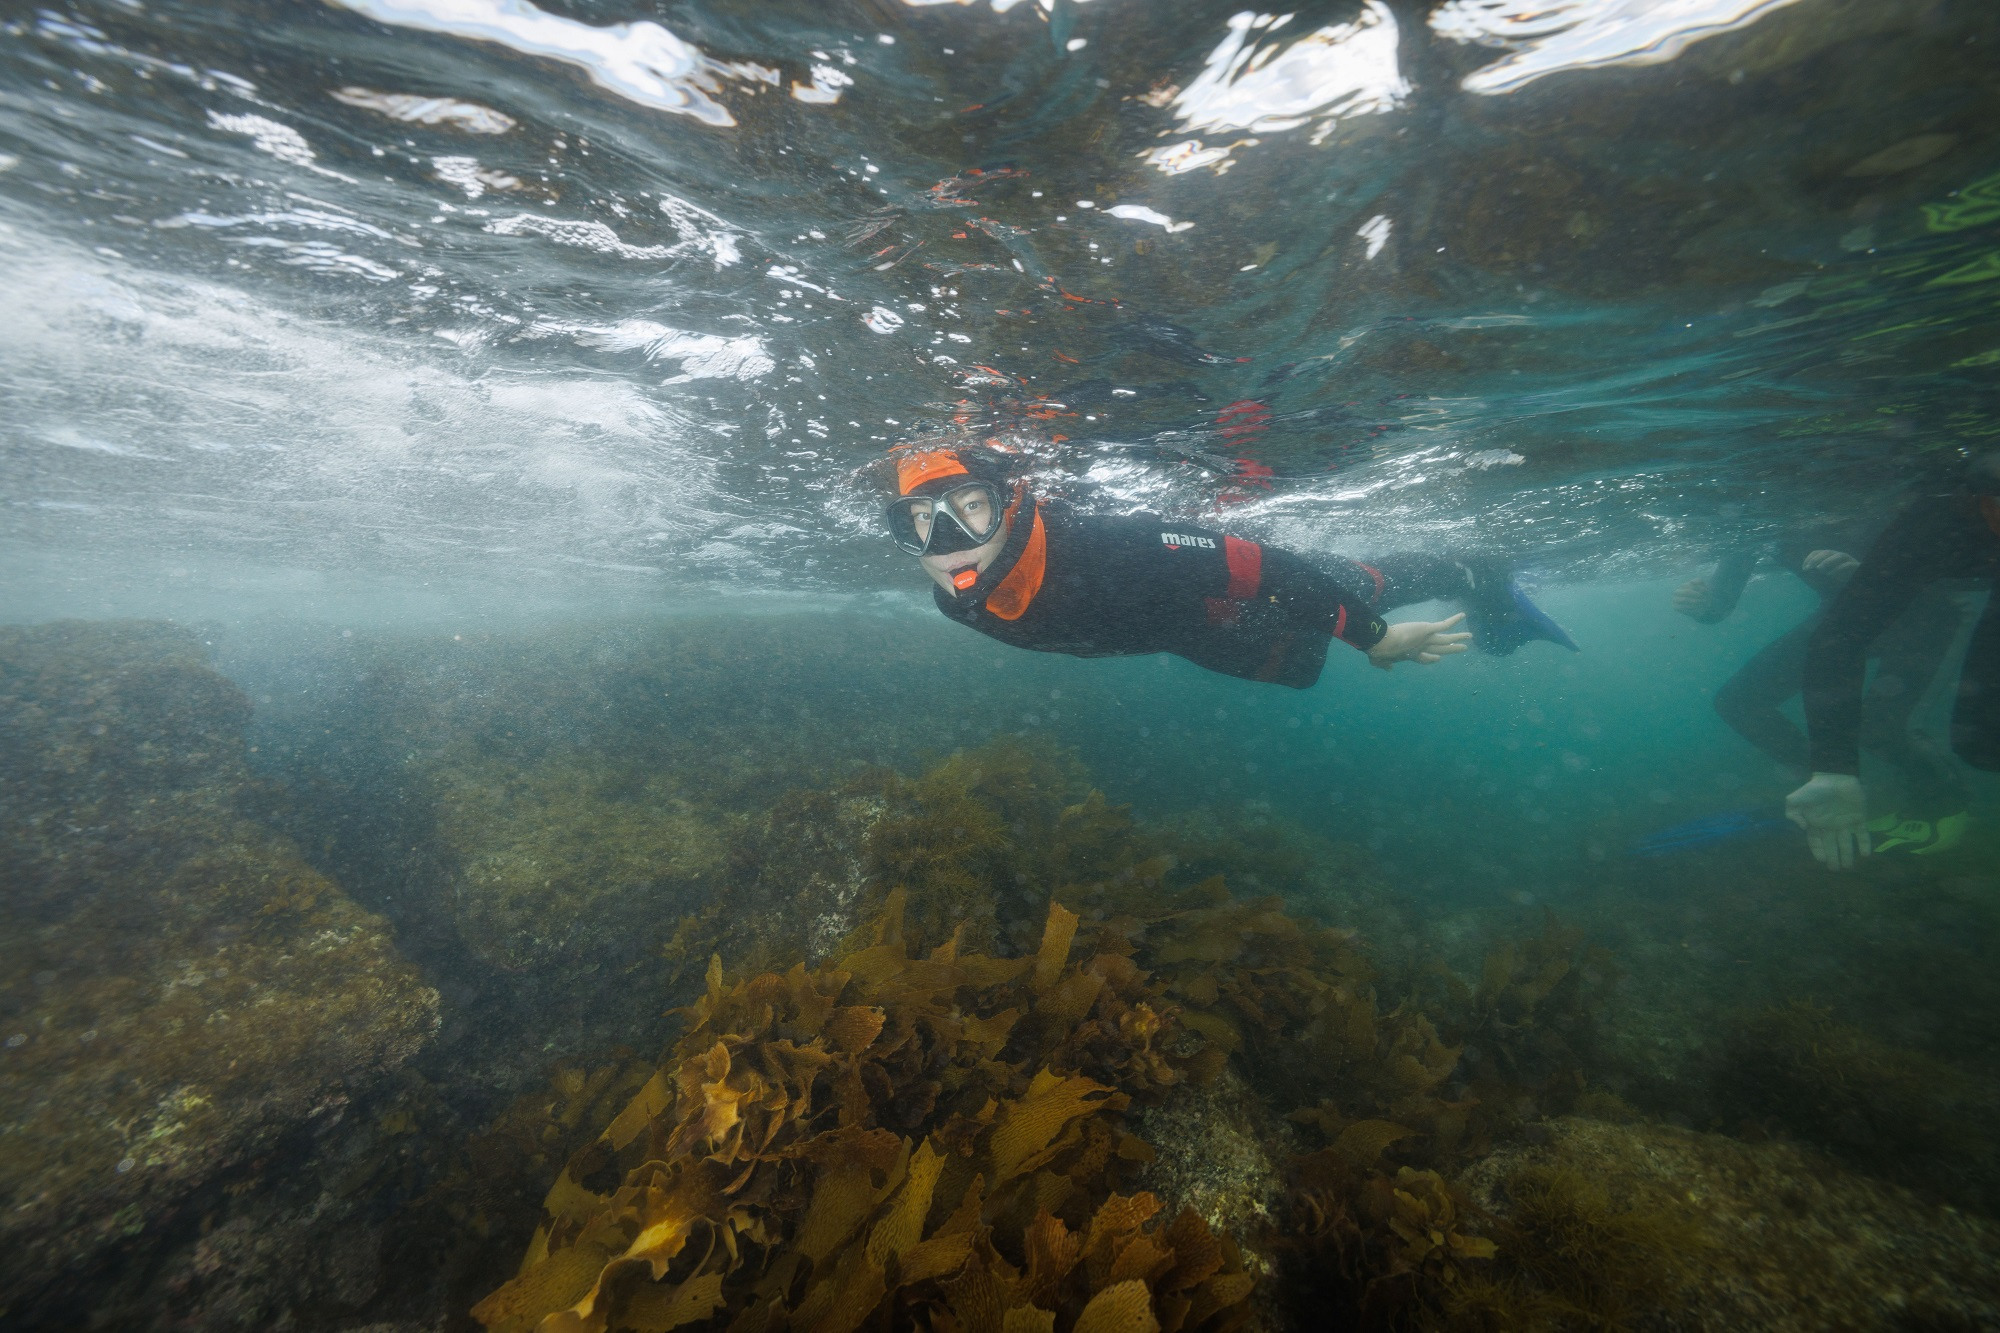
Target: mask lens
[
  {"x": 906, "y": 529},
  {"x": 961, "y": 519}
]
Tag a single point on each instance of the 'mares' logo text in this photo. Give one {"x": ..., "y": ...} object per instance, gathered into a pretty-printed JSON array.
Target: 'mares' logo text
[{"x": 1182, "y": 539}]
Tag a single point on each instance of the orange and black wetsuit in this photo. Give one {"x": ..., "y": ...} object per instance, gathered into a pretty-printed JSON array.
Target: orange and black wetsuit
[
  {"x": 1938, "y": 537},
  {"x": 1113, "y": 586}
]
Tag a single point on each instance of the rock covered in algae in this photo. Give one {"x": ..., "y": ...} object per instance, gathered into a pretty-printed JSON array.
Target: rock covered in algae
[
  {"x": 1635, "y": 1225},
  {"x": 571, "y": 859},
  {"x": 178, "y": 987},
  {"x": 1883, "y": 1107},
  {"x": 1218, "y": 1150}
]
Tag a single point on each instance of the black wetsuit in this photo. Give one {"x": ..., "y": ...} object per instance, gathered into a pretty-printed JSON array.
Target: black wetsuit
[
  {"x": 1935, "y": 538},
  {"x": 1750, "y": 700},
  {"x": 1113, "y": 586}
]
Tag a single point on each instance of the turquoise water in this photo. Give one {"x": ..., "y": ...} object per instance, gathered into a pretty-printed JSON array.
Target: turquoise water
[{"x": 443, "y": 598}]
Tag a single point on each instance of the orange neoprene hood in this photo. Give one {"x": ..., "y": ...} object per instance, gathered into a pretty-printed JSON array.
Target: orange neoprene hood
[
  {"x": 930, "y": 469},
  {"x": 915, "y": 471}
]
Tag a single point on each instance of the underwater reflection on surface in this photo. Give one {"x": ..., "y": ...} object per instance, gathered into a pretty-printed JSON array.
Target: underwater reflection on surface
[{"x": 1610, "y": 277}]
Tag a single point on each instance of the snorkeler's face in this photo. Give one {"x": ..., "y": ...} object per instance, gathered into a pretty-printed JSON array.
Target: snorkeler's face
[{"x": 959, "y": 570}]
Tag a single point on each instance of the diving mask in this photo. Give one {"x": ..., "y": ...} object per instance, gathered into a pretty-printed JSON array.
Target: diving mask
[{"x": 959, "y": 519}]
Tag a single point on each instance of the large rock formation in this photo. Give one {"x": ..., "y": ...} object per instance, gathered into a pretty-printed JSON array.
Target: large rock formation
[{"x": 178, "y": 989}]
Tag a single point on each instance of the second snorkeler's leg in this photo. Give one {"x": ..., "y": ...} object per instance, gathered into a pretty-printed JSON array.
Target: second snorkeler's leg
[
  {"x": 1975, "y": 716},
  {"x": 1911, "y": 655},
  {"x": 1749, "y": 700}
]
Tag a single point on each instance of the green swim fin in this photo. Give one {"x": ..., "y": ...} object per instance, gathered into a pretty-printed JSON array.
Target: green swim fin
[
  {"x": 1918, "y": 837},
  {"x": 1950, "y": 832}
]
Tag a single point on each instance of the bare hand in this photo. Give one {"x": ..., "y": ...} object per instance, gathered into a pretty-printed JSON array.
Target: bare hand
[
  {"x": 1422, "y": 641},
  {"x": 1836, "y": 565},
  {"x": 1691, "y": 598}
]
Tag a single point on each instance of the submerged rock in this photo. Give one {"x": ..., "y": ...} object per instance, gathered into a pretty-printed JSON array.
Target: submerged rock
[
  {"x": 1218, "y": 1150},
  {"x": 571, "y": 861},
  {"x": 178, "y": 989},
  {"x": 1773, "y": 1237}
]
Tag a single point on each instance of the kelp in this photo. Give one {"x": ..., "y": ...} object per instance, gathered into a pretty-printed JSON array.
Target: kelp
[
  {"x": 1382, "y": 1248},
  {"x": 981, "y": 841},
  {"x": 1529, "y": 1023},
  {"x": 1295, "y": 1007},
  {"x": 1410, "y": 1251},
  {"x": 778, "y": 1145},
  {"x": 1299, "y": 998},
  {"x": 1260, "y": 854},
  {"x": 902, "y": 1139},
  {"x": 533, "y": 1137},
  {"x": 1293, "y": 1003},
  {"x": 978, "y": 844}
]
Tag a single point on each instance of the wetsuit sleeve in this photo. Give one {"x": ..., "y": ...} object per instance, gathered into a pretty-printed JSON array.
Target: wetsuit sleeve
[
  {"x": 1726, "y": 584},
  {"x": 1933, "y": 538},
  {"x": 1314, "y": 599}
]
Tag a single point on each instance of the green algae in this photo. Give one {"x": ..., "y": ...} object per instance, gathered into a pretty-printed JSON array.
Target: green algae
[
  {"x": 1977, "y": 205},
  {"x": 1643, "y": 1225},
  {"x": 1572, "y": 1259},
  {"x": 1884, "y": 1107}
]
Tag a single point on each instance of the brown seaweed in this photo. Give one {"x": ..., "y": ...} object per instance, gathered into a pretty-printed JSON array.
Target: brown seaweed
[{"x": 897, "y": 1140}]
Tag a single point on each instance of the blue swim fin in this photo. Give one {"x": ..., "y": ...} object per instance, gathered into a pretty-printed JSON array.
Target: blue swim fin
[
  {"x": 1499, "y": 631},
  {"x": 1707, "y": 831}
]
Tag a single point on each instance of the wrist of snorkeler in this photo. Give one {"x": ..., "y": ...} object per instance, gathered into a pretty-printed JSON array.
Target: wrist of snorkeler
[{"x": 1363, "y": 631}]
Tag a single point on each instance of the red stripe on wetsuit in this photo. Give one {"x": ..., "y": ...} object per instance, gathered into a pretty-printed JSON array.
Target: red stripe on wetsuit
[
  {"x": 1246, "y": 580},
  {"x": 1246, "y": 567},
  {"x": 1246, "y": 575}
]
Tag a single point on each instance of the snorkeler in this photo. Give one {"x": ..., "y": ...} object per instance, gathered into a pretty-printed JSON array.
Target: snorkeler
[
  {"x": 1954, "y": 535},
  {"x": 1033, "y": 572},
  {"x": 1905, "y": 660}
]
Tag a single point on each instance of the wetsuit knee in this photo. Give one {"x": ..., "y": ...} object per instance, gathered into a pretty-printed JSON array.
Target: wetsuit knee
[{"x": 1734, "y": 701}]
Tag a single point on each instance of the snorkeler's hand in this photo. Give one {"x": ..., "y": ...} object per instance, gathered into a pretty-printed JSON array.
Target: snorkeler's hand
[
  {"x": 1691, "y": 599},
  {"x": 1837, "y": 566},
  {"x": 1420, "y": 641},
  {"x": 1833, "y": 810}
]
